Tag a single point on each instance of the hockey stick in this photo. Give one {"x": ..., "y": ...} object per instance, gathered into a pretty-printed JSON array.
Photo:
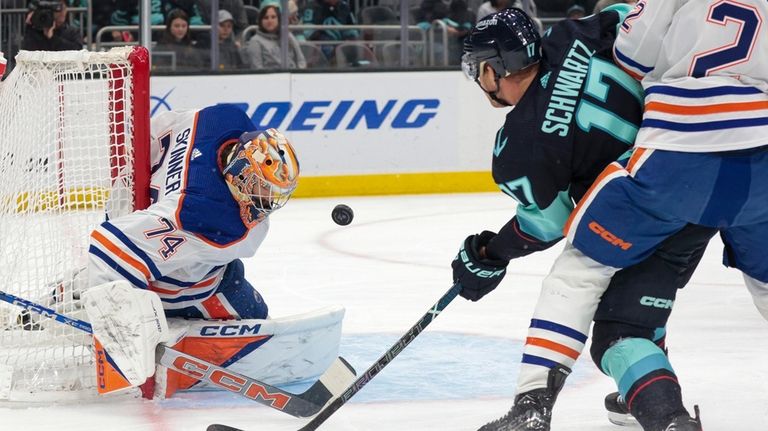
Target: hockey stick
[
  {"x": 304, "y": 404},
  {"x": 371, "y": 372}
]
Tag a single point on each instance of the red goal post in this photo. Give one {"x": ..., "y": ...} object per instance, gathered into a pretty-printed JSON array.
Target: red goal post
[{"x": 74, "y": 151}]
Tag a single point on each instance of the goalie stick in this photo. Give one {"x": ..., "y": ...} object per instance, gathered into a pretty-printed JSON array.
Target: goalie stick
[
  {"x": 304, "y": 404},
  {"x": 379, "y": 365}
]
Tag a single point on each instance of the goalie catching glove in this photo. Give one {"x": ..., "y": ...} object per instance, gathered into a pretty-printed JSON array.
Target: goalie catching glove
[{"x": 476, "y": 273}]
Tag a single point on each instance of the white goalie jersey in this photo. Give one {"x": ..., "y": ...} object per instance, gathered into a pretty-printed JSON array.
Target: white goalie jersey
[
  {"x": 180, "y": 245},
  {"x": 704, "y": 71}
]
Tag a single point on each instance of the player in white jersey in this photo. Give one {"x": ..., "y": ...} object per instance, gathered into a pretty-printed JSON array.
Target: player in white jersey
[
  {"x": 215, "y": 180},
  {"x": 702, "y": 93},
  {"x": 702, "y": 158}
]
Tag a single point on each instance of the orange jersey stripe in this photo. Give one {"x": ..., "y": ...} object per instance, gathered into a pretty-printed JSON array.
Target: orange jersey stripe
[
  {"x": 706, "y": 109},
  {"x": 115, "y": 250},
  {"x": 551, "y": 345},
  {"x": 636, "y": 155},
  {"x": 610, "y": 169}
]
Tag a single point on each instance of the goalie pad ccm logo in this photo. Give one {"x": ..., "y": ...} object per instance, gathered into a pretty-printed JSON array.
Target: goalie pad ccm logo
[
  {"x": 229, "y": 330},
  {"x": 230, "y": 382}
]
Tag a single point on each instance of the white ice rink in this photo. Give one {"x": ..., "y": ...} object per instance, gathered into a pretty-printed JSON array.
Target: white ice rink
[{"x": 387, "y": 268}]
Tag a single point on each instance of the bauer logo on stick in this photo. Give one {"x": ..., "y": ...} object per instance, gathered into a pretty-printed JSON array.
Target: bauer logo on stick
[{"x": 342, "y": 215}]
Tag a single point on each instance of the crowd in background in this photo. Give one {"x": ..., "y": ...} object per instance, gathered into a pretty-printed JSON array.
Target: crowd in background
[{"x": 183, "y": 48}]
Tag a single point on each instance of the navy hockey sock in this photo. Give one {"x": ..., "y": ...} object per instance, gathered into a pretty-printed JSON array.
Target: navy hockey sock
[
  {"x": 646, "y": 380},
  {"x": 655, "y": 399}
]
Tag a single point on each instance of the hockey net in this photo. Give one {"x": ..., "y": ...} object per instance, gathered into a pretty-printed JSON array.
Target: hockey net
[{"x": 74, "y": 136}]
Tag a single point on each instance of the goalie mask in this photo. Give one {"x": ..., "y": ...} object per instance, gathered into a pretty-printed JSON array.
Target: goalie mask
[{"x": 261, "y": 172}]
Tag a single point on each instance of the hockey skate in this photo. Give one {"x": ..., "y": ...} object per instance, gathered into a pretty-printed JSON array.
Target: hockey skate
[
  {"x": 685, "y": 422},
  {"x": 618, "y": 411},
  {"x": 533, "y": 409}
]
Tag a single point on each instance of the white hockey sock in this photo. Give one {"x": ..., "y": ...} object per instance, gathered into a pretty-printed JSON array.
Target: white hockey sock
[
  {"x": 759, "y": 291},
  {"x": 564, "y": 312}
]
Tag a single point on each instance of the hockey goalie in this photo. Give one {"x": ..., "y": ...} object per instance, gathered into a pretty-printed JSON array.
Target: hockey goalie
[{"x": 172, "y": 273}]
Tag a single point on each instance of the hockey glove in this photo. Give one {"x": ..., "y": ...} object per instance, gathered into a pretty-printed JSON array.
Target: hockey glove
[{"x": 476, "y": 275}]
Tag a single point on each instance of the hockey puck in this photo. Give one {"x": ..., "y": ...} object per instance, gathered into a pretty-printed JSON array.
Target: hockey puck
[{"x": 342, "y": 215}]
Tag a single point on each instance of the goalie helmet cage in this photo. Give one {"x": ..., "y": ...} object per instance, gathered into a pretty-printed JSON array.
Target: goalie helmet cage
[{"x": 74, "y": 151}]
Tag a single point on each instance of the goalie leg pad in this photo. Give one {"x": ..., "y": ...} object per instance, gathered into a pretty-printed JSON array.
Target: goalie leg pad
[
  {"x": 276, "y": 351},
  {"x": 128, "y": 323}
]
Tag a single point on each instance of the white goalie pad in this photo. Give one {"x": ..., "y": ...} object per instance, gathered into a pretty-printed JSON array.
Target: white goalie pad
[
  {"x": 129, "y": 323},
  {"x": 275, "y": 351}
]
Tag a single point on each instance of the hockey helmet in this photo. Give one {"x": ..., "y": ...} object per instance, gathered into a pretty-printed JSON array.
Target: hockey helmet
[
  {"x": 261, "y": 172},
  {"x": 507, "y": 40}
]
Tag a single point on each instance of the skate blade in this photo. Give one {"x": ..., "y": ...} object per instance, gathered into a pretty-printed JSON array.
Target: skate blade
[{"x": 624, "y": 420}]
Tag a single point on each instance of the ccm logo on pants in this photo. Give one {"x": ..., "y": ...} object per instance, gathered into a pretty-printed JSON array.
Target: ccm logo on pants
[{"x": 608, "y": 236}]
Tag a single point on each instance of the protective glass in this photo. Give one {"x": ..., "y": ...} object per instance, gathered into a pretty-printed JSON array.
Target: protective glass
[{"x": 470, "y": 67}]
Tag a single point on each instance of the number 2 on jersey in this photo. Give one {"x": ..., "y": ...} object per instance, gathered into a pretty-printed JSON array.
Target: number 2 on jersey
[{"x": 739, "y": 51}]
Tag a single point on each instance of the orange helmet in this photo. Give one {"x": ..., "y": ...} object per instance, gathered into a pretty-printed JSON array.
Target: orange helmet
[{"x": 262, "y": 172}]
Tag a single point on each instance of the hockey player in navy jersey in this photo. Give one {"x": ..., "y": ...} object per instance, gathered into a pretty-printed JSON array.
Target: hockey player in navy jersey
[
  {"x": 574, "y": 112},
  {"x": 215, "y": 181}
]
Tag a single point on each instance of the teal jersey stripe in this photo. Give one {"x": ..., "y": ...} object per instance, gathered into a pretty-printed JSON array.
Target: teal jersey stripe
[
  {"x": 631, "y": 359},
  {"x": 546, "y": 224}
]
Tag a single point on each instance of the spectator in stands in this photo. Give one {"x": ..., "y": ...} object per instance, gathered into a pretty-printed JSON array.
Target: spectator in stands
[
  {"x": 235, "y": 7},
  {"x": 190, "y": 7},
  {"x": 492, "y": 6},
  {"x": 293, "y": 13},
  {"x": 229, "y": 48},
  {"x": 602, "y": 4},
  {"x": 557, "y": 8},
  {"x": 47, "y": 29},
  {"x": 330, "y": 12},
  {"x": 126, "y": 12},
  {"x": 176, "y": 39},
  {"x": 431, "y": 10},
  {"x": 575, "y": 12},
  {"x": 263, "y": 49},
  {"x": 459, "y": 22}
]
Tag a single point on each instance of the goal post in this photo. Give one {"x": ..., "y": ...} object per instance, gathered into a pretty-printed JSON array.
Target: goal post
[{"x": 74, "y": 151}]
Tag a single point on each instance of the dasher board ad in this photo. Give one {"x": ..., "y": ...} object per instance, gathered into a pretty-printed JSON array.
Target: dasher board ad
[{"x": 356, "y": 123}]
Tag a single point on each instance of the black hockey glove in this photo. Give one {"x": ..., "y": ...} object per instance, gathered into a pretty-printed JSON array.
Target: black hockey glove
[{"x": 477, "y": 276}]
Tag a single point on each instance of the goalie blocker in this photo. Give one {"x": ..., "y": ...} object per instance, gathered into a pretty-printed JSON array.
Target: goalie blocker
[{"x": 128, "y": 324}]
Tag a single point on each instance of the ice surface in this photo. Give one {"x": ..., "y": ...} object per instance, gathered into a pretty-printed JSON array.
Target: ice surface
[{"x": 387, "y": 268}]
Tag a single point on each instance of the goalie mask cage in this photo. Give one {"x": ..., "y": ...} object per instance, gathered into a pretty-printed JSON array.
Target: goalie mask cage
[{"x": 74, "y": 151}]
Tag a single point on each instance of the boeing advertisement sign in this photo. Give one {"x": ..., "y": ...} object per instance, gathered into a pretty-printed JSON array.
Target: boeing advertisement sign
[
  {"x": 329, "y": 114},
  {"x": 355, "y": 123}
]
